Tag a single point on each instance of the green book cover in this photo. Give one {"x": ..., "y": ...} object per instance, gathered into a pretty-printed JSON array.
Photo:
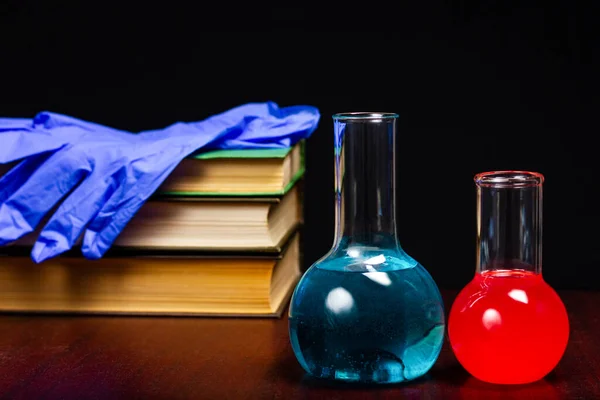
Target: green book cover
[{"x": 243, "y": 153}]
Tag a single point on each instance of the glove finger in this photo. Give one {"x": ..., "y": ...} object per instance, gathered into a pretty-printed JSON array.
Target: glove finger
[
  {"x": 97, "y": 242},
  {"x": 22, "y": 138},
  {"x": 23, "y": 210},
  {"x": 216, "y": 128},
  {"x": 71, "y": 218},
  {"x": 50, "y": 121},
  {"x": 226, "y": 120},
  {"x": 261, "y": 125},
  {"x": 285, "y": 127},
  {"x": 11, "y": 124},
  {"x": 19, "y": 144},
  {"x": 127, "y": 200},
  {"x": 18, "y": 175}
]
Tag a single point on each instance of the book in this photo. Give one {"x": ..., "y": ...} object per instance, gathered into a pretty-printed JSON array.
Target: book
[
  {"x": 250, "y": 284},
  {"x": 208, "y": 223},
  {"x": 244, "y": 172}
]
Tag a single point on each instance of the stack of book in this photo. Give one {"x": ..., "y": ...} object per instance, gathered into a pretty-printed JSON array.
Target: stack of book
[{"x": 220, "y": 237}]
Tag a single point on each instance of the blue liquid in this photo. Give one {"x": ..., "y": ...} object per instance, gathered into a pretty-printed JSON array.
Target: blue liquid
[{"x": 378, "y": 318}]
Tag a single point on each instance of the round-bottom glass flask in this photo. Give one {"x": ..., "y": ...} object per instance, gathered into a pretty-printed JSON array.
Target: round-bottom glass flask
[
  {"x": 366, "y": 311},
  {"x": 508, "y": 326}
]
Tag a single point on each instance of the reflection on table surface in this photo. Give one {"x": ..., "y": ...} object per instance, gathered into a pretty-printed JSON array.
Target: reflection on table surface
[{"x": 221, "y": 358}]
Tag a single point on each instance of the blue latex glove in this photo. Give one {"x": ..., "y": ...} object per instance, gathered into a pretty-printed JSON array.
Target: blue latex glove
[{"x": 108, "y": 174}]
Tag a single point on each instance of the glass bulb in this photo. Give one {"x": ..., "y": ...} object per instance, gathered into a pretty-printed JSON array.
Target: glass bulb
[{"x": 507, "y": 325}]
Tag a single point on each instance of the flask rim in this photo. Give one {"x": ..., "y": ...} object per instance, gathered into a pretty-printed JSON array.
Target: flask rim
[
  {"x": 509, "y": 179},
  {"x": 365, "y": 115}
]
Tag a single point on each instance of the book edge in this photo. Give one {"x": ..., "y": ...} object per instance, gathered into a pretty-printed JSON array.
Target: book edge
[{"x": 279, "y": 152}]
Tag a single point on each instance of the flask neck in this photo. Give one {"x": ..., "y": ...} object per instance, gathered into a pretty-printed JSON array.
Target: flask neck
[
  {"x": 365, "y": 180},
  {"x": 509, "y": 221}
]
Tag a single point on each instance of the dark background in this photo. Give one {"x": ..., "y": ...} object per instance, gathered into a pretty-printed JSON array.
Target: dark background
[{"x": 479, "y": 86}]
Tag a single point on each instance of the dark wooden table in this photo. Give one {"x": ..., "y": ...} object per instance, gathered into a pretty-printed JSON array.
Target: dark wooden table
[{"x": 62, "y": 357}]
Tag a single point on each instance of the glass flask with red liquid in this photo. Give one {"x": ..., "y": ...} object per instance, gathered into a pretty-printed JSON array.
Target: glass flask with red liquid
[{"x": 508, "y": 326}]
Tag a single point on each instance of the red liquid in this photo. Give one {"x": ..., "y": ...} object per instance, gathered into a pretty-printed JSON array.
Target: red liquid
[{"x": 508, "y": 327}]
